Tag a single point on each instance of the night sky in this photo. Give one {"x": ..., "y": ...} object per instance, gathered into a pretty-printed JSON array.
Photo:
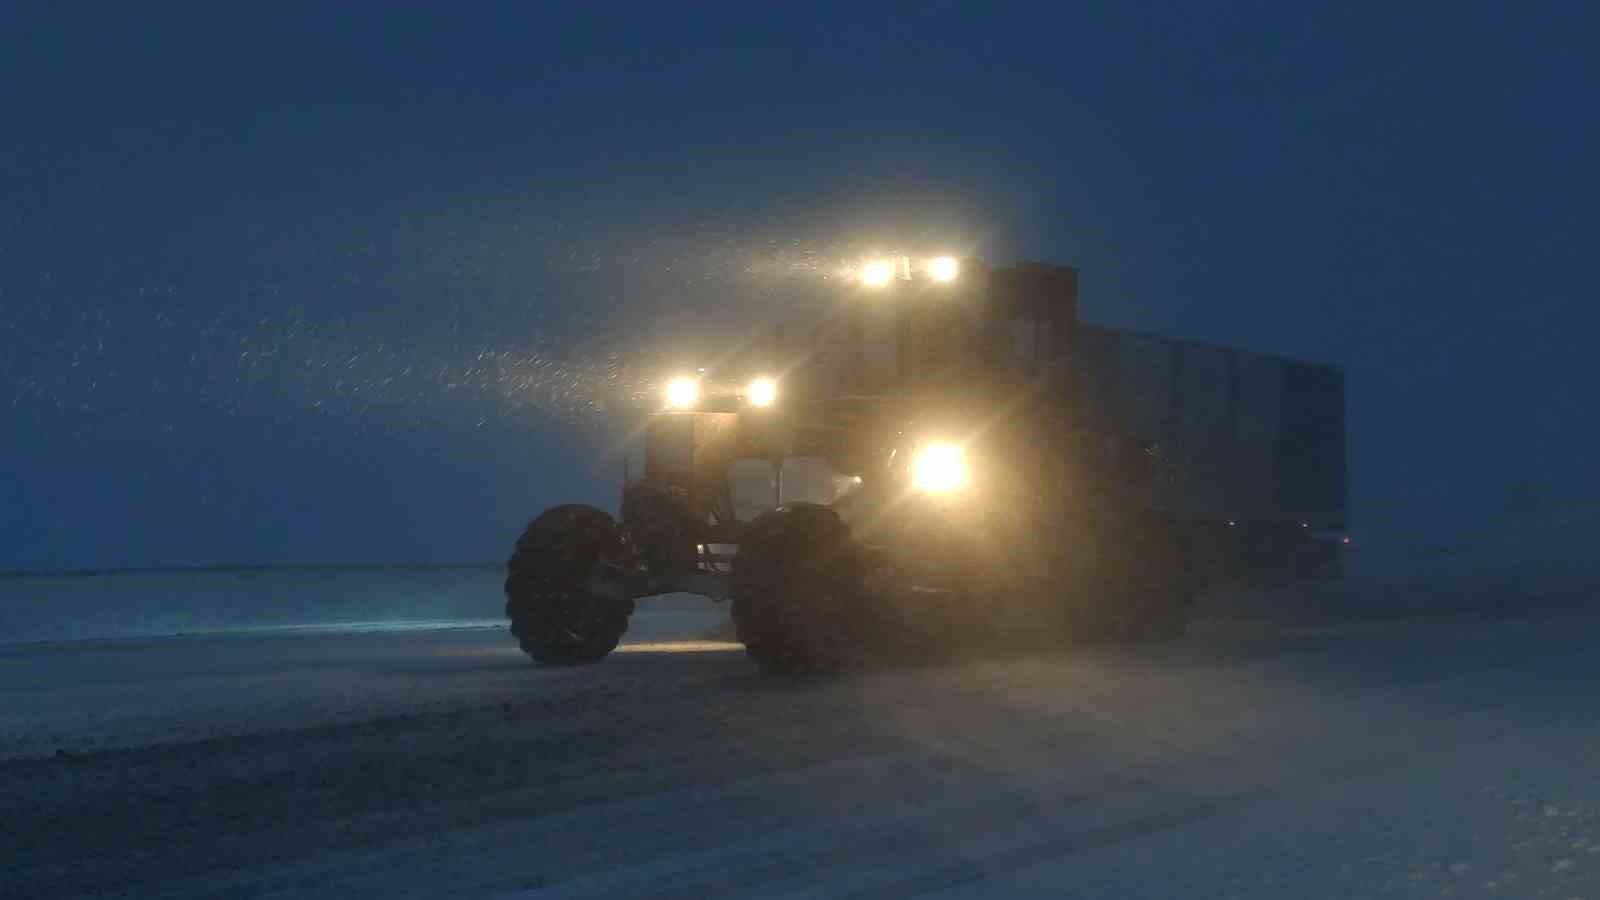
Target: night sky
[{"x": 294, "y": 286}]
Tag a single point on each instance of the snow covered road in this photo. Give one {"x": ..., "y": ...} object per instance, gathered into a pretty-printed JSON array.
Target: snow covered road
[
  {"x": 1407, "y": 760},
  {"x": 81, "y": 696}
]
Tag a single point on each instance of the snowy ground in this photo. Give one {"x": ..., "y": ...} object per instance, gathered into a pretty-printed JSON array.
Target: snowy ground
[
  {"x": 84, "y": 696},
  {"x": 1453, "y": 759},
  {"x": 153, "y": 604},
  {"x": 164, "y": 604}
]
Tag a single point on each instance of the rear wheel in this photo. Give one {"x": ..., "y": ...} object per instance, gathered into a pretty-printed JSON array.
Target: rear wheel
[
  {"x": 559, "y": 611},
  {"x": 796, "y": 590}
]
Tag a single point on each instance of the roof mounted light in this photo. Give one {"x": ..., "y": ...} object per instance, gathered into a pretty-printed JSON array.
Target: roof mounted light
[
  {"x": 761, "y": 392},
  {"x": 944, "y": 268},
  {"x": 877, "y": 273},
  {"x": 683, "y": 392}
]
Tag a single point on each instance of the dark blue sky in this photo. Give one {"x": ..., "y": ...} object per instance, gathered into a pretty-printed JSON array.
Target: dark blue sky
[{"x": 300, "y": 286}]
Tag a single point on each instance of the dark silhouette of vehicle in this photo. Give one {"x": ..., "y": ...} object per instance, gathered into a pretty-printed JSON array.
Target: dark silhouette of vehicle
[{"x": 949, "y": 459}]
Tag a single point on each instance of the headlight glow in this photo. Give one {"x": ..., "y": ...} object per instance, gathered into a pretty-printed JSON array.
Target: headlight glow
[
  {"x": 683, "y": 393},
  {"x": 944, "y": 268},
  {"x": 877, "y": 273},
  {"x": 761, "y": 392},
  {"x": 939, "y": 468}
]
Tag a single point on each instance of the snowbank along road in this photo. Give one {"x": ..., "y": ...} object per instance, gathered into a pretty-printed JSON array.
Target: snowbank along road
[{"x": 1455, "y": 759}]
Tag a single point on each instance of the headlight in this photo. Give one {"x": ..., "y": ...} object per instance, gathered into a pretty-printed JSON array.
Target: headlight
[
  {"x": 761, "y": 392},
  {"x": 944, "y": 268},
  {"x": 877, "y": 273},
  {"x": 683, "y": 393},
  {"x": 939, "y": 468}
]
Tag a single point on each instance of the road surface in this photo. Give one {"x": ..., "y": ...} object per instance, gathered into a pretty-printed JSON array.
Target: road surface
[{"x": 1438, "y": 760}]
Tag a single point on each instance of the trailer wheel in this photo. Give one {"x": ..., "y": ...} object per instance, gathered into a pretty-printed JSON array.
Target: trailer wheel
[
  {"x": 557, "y": 614},
  {"x": 1161, "y": 583},
  {"x": 1166, "y": 620},
  {"x": 796, "y": 590}
]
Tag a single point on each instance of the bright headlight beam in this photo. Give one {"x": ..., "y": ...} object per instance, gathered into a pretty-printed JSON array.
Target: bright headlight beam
[
  {"x": 683, "y": 393},
  {"x": 877, "y": 273},
  {"x": 944, "y": 268},
  {"x": 939, "y": 468},
  {"x": 761, "y": 392}
]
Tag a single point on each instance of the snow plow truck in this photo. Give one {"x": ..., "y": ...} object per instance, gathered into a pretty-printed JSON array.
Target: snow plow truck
[{"x": 949, "y": 458}]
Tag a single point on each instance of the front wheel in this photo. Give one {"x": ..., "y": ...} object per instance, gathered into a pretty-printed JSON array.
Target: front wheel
[
  {"x": 560, "y": 611},
  {"x": 796, "y": 590}
]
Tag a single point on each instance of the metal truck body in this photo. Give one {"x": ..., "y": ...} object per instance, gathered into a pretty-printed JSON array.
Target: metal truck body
[{"x": 1258, "y": 443}]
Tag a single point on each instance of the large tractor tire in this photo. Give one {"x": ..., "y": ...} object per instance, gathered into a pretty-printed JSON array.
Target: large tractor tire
[
  {"x": 557, "y": 614},
  {"x": 796, "y": 590}
]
